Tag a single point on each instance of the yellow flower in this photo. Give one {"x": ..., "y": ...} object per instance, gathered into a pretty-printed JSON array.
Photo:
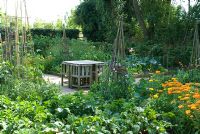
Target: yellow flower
[
  {"x": 179, "y": 97},
  {"x": 150, "y": 80},
  {"x": 187, "y": 112},
  {"x": 157, "y": 72},
  {"x": 180, "y": 106},
  {"x": 151, "y": 89},
  {"x": 174, "y": 79},
  {"x": 170, "y": 88},
  {"x": 155, "y": 96}
]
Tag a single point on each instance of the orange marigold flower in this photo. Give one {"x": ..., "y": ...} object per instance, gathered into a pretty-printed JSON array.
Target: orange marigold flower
[
  {"x": 157, "y": 72},
  {"x": 188, "y": 112},
  {"x": 187, "y": 95},
  {"x": 196, "y": 96},
  {"x": 164, "y": 85},
  {"x": 198, "y": 102},
  {"x": 185, "y": 98},
  {"x": 180, "y": 106},
  {"x": 169, "y": 92},
  {"x": 177, "y": 92},
  {"x": 193, "y": 107}
]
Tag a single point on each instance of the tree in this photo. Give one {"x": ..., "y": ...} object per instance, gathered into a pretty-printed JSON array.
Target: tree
[
  {"x": 43, "y": 24},
  {"x": 59, "y": 24},
  {"x": 71, "y": 21},
  {"x": 140, "y": 18},
  {"x": 90, "y": 19}
]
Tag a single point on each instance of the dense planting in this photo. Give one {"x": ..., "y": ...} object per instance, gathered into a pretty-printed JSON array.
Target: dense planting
[
  {"x": 148, "y": 86},
  {"x": 160, "y": 104}
]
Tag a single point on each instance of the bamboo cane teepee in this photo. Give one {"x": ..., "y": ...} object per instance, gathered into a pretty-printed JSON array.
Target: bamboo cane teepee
[
  {"x": 15, "y": 42},
  {"x": 118, "y": 50},
  {"x": 65, "y": 50}
]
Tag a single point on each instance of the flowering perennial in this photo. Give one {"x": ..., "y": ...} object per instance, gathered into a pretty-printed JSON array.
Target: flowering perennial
[{"x": 188, "y": 95}]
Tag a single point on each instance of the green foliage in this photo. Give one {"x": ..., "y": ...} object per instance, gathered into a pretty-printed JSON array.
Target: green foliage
[
  {"x": 52, "y": 48},
  {"x": 176, "y": 56},
  {"x": 5, "y": 72},
  {"x": 88, "y": 16},
  {"x": 42, "y": 44},
  {"x": 115, "y": 85},
  {"x": 28, "y": 90},
  {"x": 170, "y": 28},
  {"x": 71, "y": 21},
  {"x": 151, "y": 92},
  {"x": 188, "y": 75},
  {"x": 22, "y": 116},
  {"x": 70, "y": 33},
  {"x": 144, "y": 64},
  {"x": 43, "y": 24},
  {"x": 78, "y": 113}
]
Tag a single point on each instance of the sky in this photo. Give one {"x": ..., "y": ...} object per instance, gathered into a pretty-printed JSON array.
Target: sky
[
  {"x": 46, "y": 10},
  {"x": 51, "y": 10}
]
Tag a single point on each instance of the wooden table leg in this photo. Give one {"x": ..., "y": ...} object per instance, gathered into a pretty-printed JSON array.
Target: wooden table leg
[
  {"x": 62, "y": 75},
  {"x": 79, "y": 80},
  {"x": 70, "y": 77}
]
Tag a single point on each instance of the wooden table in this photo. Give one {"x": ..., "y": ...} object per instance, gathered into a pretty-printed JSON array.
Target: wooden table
[{"x": 81, "y": 73}]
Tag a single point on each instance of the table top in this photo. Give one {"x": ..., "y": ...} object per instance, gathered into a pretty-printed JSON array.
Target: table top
[{"x": 83, "y": 62}]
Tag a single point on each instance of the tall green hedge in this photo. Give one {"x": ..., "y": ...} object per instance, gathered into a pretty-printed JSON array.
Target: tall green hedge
[{"x": 71, "y": 33}]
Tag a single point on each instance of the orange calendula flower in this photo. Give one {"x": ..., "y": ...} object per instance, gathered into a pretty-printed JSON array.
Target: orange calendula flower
[
  {"x": 185, "y": 98},
  {"x": 177, "y": 92},
  {"x": 188, "y": 112},
  {"x": 193, "y": 107},
  {"x": 180, "y": 106},
  {"x": 164, "y": 85},
  {"x": 198, "y": 102},
  {"x": 157, "y": 72},
  {"x": 169, "y": 92},
  {"x": 196, "y": 96},
  {"x": 187, "y": 95}
]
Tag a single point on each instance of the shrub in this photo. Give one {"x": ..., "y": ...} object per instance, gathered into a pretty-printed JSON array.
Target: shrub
[
  {"x": 188, "y": 75},
  {"x": 172, "y": 98},
  {"x": 52, "y": 33},
  {"x": 5, "y": 72}
]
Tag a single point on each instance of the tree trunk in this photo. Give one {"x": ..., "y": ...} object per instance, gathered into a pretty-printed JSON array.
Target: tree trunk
[{"x": 140, "y": 18}]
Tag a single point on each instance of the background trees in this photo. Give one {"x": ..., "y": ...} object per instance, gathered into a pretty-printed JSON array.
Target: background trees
[{"x": 154, "y": 27}]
